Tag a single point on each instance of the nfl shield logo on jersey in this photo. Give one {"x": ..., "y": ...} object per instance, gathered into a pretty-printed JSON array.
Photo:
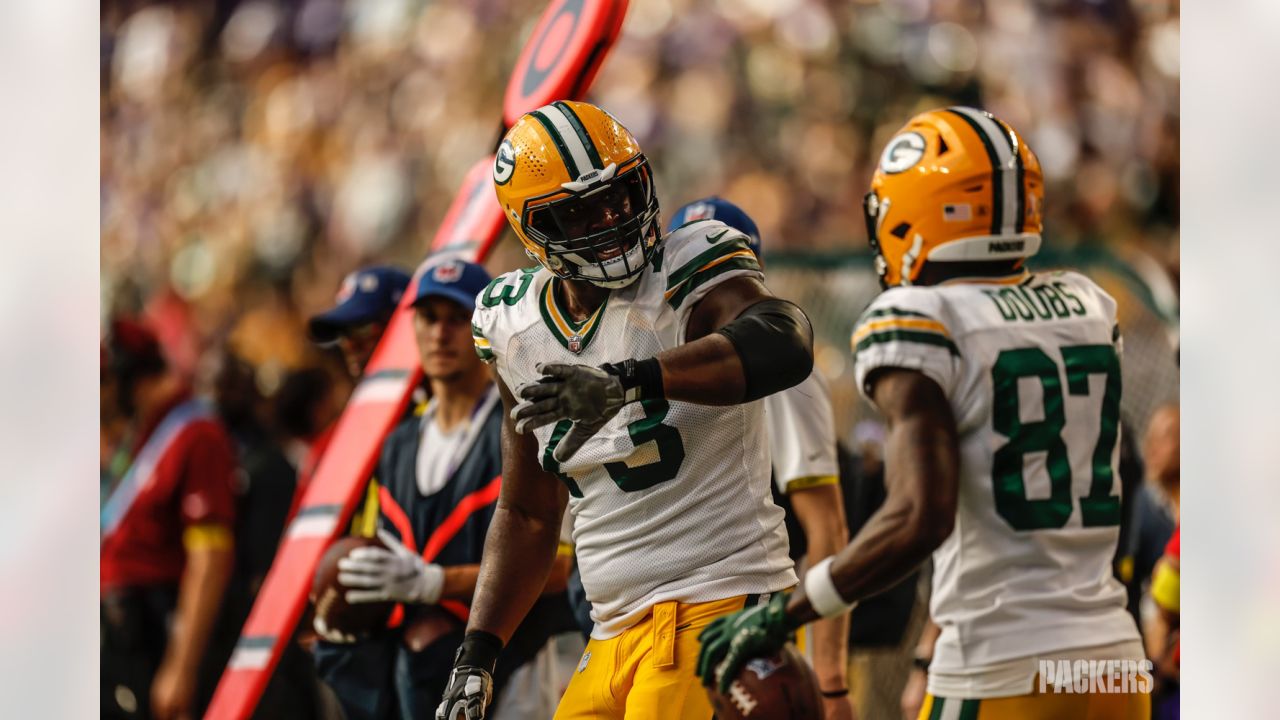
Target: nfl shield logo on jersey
[{"x": 575, "y": 344}]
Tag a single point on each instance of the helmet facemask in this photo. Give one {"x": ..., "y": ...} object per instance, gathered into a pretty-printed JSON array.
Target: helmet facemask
[
  {"x": 871, "y": 212},
  {"x": 604, "y": 234}
]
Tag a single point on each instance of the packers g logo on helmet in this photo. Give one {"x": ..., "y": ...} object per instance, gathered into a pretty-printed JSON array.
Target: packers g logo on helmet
[
  {"x": 579, "y": 194},
  {"x": 953, "y": 185},
  {"x": 504, "y": 163},
  {"x": 902, "y": 153}
]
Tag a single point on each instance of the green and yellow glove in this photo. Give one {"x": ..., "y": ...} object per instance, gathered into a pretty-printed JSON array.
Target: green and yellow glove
[{"x": 730, "y": 642}]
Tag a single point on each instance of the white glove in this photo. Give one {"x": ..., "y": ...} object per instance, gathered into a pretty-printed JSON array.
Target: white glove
[{"x": 397, "y": 574}]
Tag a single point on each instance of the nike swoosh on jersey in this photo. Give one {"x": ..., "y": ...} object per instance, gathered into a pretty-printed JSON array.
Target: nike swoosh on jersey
[{"x": 713, "y": 239}]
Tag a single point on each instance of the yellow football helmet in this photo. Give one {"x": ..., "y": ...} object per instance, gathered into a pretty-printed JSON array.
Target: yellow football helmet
[
  {"x": 579, "y": 193},
  {"x": 953, "y": 185}
]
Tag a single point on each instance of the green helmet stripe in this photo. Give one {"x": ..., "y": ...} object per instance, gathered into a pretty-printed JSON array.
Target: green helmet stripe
[
  {"x": 581, "y": 130},
  {"x": 560, "y": 144}
]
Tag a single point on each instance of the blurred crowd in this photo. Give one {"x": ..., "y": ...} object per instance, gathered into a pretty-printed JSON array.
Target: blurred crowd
[{"x": 255, "y": 151}]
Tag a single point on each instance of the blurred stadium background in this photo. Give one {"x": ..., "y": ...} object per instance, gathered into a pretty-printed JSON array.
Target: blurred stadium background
[{"x": 254, "y": 152}]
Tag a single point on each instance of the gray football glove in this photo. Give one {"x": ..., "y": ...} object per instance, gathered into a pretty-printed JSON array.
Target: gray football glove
[{"x": 588, "y": 396}]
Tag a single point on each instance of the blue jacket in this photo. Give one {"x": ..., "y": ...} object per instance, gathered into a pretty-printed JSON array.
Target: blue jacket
[{"x": 448, "y": 527}]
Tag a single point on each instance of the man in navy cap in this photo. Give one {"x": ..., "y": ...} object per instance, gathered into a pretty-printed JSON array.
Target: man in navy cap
[
  {"x": 717, "y": 208},
  {"x": 366, "y": 300},
  {"x": 440, "y": 473}
]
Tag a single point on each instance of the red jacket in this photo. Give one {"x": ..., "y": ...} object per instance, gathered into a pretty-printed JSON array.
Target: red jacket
[{"x": 191, "y": 484}]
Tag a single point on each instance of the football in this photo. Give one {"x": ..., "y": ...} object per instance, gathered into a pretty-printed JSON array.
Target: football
[
  {"x": 782, "y": 686},
  {"x": 330, "y": 596}
]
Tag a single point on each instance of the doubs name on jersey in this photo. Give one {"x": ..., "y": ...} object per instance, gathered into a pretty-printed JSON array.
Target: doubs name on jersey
[{"x": 1043, "y": 301}]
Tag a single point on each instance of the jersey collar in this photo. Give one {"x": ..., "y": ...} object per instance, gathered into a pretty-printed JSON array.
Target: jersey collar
[{"x": 574, "y": 336}]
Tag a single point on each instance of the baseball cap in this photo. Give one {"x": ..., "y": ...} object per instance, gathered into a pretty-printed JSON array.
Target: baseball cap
[
  {"x": 367, "y": 295},
  {"x": 717, "y": 208},
  {"x": 457, "y": 280}
]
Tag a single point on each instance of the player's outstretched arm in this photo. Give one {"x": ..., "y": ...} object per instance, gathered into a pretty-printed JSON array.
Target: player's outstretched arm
[
  {"x": 742, "y": 344},
  {"x": 519, "y": 552},
  {"x": 922, "y": 478}
]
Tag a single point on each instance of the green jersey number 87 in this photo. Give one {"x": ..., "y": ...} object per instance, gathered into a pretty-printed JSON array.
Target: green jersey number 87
[{"x": 1099, "y": 507}]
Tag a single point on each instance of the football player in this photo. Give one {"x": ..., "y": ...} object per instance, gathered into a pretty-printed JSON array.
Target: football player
[
  {"x": 1001, "y": 388},
  {"x": 802, "y": 441},
  {"x": 629, "y": 363}
]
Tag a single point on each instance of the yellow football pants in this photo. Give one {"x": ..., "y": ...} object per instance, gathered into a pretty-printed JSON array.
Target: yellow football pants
[
  {"x": 1041, "y": 706},
  {"x": 648, "y": 672}
]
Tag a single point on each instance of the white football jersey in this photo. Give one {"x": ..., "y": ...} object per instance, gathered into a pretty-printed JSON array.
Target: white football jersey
[
  {"x": 802, "y": 435},
  {"x": 1032, "y": 371},
  {"x": 670, "y": 500}
]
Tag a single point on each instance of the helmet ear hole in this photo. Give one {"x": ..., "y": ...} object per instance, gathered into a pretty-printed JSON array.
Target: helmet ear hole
[{"x": 900, "y": 231}]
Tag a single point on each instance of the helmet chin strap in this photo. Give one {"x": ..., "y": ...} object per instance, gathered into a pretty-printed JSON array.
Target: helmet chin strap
[
  {"x": 615, "y": 284},
  {"x": 636, "y": 252},
  {"x": 554, "y": 264}
]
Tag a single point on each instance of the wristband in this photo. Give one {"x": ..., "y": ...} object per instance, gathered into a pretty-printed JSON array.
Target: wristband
[
  {"x": 479, "y": 649},
  {"x": 641, "y": 379},
  {"x": 843, "y": 692},
  {"x": 821, "y": 590}
]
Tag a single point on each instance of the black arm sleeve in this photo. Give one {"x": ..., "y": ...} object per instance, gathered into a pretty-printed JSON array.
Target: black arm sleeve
[{"x": 775, "y": 342}]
